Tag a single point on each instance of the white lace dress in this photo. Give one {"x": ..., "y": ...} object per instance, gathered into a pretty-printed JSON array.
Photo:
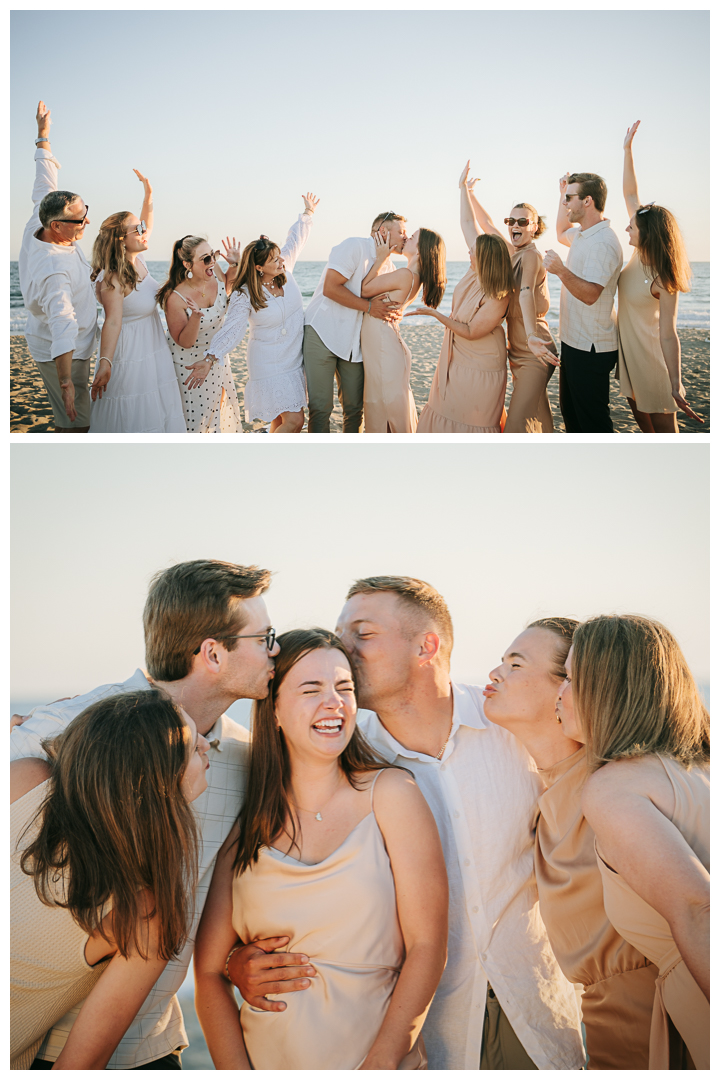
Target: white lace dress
[
  {"x": 212, "y": 407},
  {"x": 274, "y": 356}
]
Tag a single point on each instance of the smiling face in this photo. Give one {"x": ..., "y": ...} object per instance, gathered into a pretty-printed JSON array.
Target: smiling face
[
  {"x": 194, "y": 779},
  {"x": 564, "y": 705},
  {"x": 633, "y": 231},
  {"x": 576, "y": 206},
  {"x": 523, "y": 688},
  {"x": 375, "y": 629},
  {"x": 134, "y": 242},
  {"x": 67, "y": 233},
  {"x": 202, "y": 271},
  {"x": 315, "y": 705},
  {"x": 273, "y": 266},
  {"x": 522, "y": 235}
]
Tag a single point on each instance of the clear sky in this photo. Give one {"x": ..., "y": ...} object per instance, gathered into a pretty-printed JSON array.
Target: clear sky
[
  {"x": 232, "y": 114},
  {"x": 507, "y": 533}
]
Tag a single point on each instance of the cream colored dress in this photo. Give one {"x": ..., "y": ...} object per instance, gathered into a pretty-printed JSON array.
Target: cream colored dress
[
  {"x": 530, "y": 375},
  {"x": 388, "y": 402},
  {"x": 342, "y": 913},
  {"x": 679, "y": 1002},
  {"x": 618, "y": 981},
  {"x": 48, "y": 970},
  {"x": 468, "y": 389},
  {"x": 642, "y": 369}
]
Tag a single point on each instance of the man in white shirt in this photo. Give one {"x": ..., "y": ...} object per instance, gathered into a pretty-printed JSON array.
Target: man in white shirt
[
  {"x": 331, "y": 348},
  {"x": 588, "y": 324},
  {"x": 208, "y": 642},
  {"x": 502, "y": 1002},
  {"x": 56, "y": 287}
]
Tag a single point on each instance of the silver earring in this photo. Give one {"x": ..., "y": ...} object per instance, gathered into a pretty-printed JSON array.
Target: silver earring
[{"x": 189, "y": 273}]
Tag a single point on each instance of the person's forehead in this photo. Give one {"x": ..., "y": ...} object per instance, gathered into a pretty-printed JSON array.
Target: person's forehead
[
  {"x": 371, "y": 607},
  {"x": 202, "y": 249},
  {"x": 573, "y": 188},
  {"x": 255, "y": 611}
]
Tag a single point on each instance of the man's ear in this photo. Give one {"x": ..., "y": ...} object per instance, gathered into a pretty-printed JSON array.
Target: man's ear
[
  {"x": 429, "y": 649},
  {"x": 209, "y": 656}
]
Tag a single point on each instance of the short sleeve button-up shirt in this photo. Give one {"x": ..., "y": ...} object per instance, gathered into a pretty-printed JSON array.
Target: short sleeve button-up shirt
[
  {"x": 595, "y": 255},
  {"x": 339, "y": 327}
]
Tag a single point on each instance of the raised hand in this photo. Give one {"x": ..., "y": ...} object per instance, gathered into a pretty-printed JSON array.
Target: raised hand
[
  {"x": 144, "y": 181},
  {"x": 464, "y": 176},
  {"x": 43, "y": 120},
  {"x": 563, "y": 183},
  {"x": 630, "y": 135},
  {"x": 232, "y": 251},
  {"x": 678, "y": 394},
  {"x": 310, "y": 202},
  {"x": 383, "y": 250}
]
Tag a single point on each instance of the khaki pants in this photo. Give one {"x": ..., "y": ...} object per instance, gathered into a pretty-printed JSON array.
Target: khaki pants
[
  {"x": 321, "y": 369},
  {"x": 80, "y": 375},
  {"x": 501, "y": 1048}
]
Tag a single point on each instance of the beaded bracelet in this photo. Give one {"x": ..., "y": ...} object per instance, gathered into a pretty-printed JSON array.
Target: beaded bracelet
[{"x": 227, "y": 972}]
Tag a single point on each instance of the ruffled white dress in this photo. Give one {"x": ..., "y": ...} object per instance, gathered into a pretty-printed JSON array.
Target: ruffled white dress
[
  {"x": 274, "y": 356},
  {"x": 142, "y": 394}
]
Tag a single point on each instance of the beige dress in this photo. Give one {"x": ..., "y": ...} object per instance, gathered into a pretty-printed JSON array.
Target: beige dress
[
  {"x": 642, "y": 369},
  {"x": 530, "y": 375},
  {"x": 388, "y": 402},
  {"x": 468, "y": 388},
  {"x": 618, "y": 981},
  {"x": 680, "y": 1006},
  {"x": 342, "y": 914},
  {"x": 48, "y": 970}
]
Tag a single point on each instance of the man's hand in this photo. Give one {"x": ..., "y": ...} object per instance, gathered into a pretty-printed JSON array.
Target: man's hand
[
  {"x": 257, "y": 970},
  {"x": 383, "y": 308},
  {"x": 553, "y": 263},
  {"x": 43, "y": 121},
  {"x": 16, "y": 719},
  {"x": 563, "y": 183},
  {"x": 67, "y": 388}
]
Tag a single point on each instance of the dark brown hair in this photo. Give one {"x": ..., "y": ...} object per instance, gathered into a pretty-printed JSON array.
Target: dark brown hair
[
  {"x": 563, "y": 629},
  {"x": 420, "y": 598},
  {"x": 541, "y": 226},
  {"x": 493, "y": 266},
  {"x": 183, "y": 249},
  {"x": 432, "y": 272},
  {"x": 267, "y": 809},
  {"x": 108, "y": 254},
  {"x": 256, "y": 255},
  {"x": 190, "y": 602},
  {"x": 116, "y": 822},
  {"x": 661, "y": 248},
  {"x": 590, "y": 184},
  {"x": 634, "y": 694}
]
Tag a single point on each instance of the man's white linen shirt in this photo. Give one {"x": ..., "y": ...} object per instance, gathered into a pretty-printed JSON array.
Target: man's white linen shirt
[
  {"x": 339, "y": 327},
  {"x": 483, "y": 794},
  {"x": 595, "y": 255},
  {"x": 55, "y": 283},
  {"x": 158, "y": 1028}
]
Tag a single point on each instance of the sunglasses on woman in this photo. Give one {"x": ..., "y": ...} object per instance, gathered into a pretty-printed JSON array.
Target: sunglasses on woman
[
  {"x": 522, "y": 221},
  {"x": 140, "y": 228}
]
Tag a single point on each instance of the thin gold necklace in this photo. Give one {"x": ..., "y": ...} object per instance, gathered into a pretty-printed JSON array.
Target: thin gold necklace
[
  {"x": 442, "y": 748},
  {"x": 316, "y": 813}
]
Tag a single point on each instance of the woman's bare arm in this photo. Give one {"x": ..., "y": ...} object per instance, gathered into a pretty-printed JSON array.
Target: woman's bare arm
[{"x": 630, "y": 186}]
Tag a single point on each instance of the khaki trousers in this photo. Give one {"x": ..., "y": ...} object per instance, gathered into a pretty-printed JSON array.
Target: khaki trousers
[
  {"x": 321, "y": 369},
  {"x": 501, "y": 1048},
  {"x": 80, "y": 375}
]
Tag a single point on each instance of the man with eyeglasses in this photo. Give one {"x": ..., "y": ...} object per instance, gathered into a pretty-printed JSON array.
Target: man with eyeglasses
[
  {"x": 57, "y": 291},
  {"x": 331, "y": 347},
  {"x": 588, "y": 326},
  {"x": 208, "y": 642}
]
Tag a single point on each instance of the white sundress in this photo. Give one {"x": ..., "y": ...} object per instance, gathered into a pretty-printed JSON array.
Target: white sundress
[
  {"x": 276, "y": 382},
  {"x": 213, "y": 407},
  {"x": 142, "y": 394}
]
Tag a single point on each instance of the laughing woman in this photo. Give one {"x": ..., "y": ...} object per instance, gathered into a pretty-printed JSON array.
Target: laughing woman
[{"x": 339, "y": 851}]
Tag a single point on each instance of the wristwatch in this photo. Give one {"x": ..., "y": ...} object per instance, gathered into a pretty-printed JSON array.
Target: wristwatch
[{"x": 41, "y": 140}]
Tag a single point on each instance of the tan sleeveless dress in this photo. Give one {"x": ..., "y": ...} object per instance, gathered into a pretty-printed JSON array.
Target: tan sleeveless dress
[
  {"x": 530, "y": 376},
  {"x": 342, "y": 914},
  {"x": 642, "y": 369},
  {"x": 388, "y": 402},
  {"x": 679, "y": 1001},
  {"x": 48, "y": 970},
  {"x": 468, "y": 388},
  {"x": 618, "y": 981}
]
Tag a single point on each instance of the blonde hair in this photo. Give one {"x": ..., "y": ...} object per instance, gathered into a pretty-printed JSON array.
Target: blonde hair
[
  {"x": 493, "y": 266},
  {"x": 634, "y": 694},
  {"x": 422, "y": 599},
  {"x": 108, "y": 254}
]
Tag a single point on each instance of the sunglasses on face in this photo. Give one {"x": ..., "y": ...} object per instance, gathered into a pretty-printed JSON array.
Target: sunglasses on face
[
  {"x": 74, "y": 221},
  {"x": 140, "y": 228},
  {"x": 207, "y": 259},
  {"x": 268, "y": 637},
  {"x": 522, "y": 221},
  {"x": 573, "y": 196}
]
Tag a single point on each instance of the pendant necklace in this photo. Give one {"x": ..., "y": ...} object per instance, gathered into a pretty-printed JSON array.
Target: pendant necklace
[
  {"x": 283, "y": 331},
  {"x": 316, "y": 813}
]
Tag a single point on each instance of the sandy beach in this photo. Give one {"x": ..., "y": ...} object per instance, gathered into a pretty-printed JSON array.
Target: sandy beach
[{"x": 30, "y": 410}]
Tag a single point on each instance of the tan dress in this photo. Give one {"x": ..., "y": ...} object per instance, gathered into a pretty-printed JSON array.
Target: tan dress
[
  {"x": 342, "y": 914},
  {"x": 642, "y": 369},
  {"x": 388, "y": 402},
  {"x": 48, "y": 970},
  {"x": 468, "y": 388},
  {"x": 530, "y": 375},
  {"x": 680, "y": 1006},
  {"x": 618, "y": 981}
]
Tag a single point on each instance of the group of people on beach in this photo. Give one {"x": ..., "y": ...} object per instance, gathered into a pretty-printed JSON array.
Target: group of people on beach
[
  {"x": 418, "y": 885},
  {"x": 149, "y": 380}
]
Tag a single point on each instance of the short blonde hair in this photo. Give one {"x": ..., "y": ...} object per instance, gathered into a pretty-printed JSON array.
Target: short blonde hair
[
  {"x": 420, "y": 598},
  {"x": 634, "y": 693}
]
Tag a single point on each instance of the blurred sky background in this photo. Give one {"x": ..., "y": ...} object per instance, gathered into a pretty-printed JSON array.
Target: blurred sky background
[
  {"x": 507, "y": 533},
  {"x": 233, "y": 114}
]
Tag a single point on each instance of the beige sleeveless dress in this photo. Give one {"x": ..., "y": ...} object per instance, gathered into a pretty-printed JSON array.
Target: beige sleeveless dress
[
  {"x": 618, "y": 981},
  {"x": 48, "y": 970},
  {"x": 342, "y": 914},
  {"x": 468, "y": 388},
  {"x": 388, "y": 402},
  {"x": 642, "y": 369},
  {"x": 530, "y": 376},
  {"x": 680, "y": 1006}
]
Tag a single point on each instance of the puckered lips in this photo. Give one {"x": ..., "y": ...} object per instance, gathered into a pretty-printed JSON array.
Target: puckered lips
[{"x": 489, "y": 690}]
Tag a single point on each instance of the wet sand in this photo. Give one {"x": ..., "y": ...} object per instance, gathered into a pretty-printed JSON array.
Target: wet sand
[{"x": 30, "y": 409}]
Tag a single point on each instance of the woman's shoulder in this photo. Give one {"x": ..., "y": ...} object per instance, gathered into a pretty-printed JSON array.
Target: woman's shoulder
[
  {"x": 530, "y": 255},
  {"x": 393, "y": 787},
  {"x": 625, "y": 779}
]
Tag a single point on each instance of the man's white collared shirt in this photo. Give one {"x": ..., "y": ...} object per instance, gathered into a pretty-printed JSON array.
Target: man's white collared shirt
[
  {"x": 339, "y": 327},
  {"x": 483, "y": 794},
  {"x": 595, "y": 255}
]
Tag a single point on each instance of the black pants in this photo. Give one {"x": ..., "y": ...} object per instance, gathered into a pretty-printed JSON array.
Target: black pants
[
  {"x": 170, "y": 1061},
  {"x": 585, "y": 388}
]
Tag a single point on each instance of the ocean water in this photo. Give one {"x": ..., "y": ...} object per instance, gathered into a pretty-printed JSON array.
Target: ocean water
[{"x": 693, "y": 307}]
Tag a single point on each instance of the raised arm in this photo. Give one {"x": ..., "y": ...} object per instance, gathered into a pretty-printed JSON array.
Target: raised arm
[
  {"x": 468, "y": 224},
  {"x": 299, "y": 232},
  {"x": 479, "y": 217},
  {"x": 46, "y": 167},
  {"x": 416, "y": 857},
  {"x": 146, "y": 214},
  {"x": 374, "y": 285},
  {"x": 231, "y": 255},
  {"x": 630, "y": 188},
  {"x": 563, "y": 227}
]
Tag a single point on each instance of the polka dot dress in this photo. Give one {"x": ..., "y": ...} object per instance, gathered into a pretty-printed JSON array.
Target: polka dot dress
[{"x": 212, "y": 407}]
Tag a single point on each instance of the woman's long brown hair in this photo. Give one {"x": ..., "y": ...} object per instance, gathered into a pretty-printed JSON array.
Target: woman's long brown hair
[
  {"x": 433, "y": 275},
  {"x": 256, "y": 254},
  {"x": 661, "y": 248},
  {"x": 267, "y": 810},
  {"x": 115, "y": 822},
  {"x": 108, "y": 254}
]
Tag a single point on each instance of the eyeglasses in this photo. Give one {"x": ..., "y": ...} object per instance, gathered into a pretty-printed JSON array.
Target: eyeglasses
[
  {"x": 574, "y": 195},
  {"x": 140, "y": 228},
  {"x": 74, "y": 221},
  {"x": 518, "y": 221},
  {"x": 268, "y": 637}
]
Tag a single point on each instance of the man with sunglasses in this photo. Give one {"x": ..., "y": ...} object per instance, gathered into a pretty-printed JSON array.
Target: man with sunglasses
[
  {"x": 208, "y": 642},
  {"x": 331, "y": 347},
  {"x": 588, "y": 327},
  {"x": 57, "y": 291}
]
